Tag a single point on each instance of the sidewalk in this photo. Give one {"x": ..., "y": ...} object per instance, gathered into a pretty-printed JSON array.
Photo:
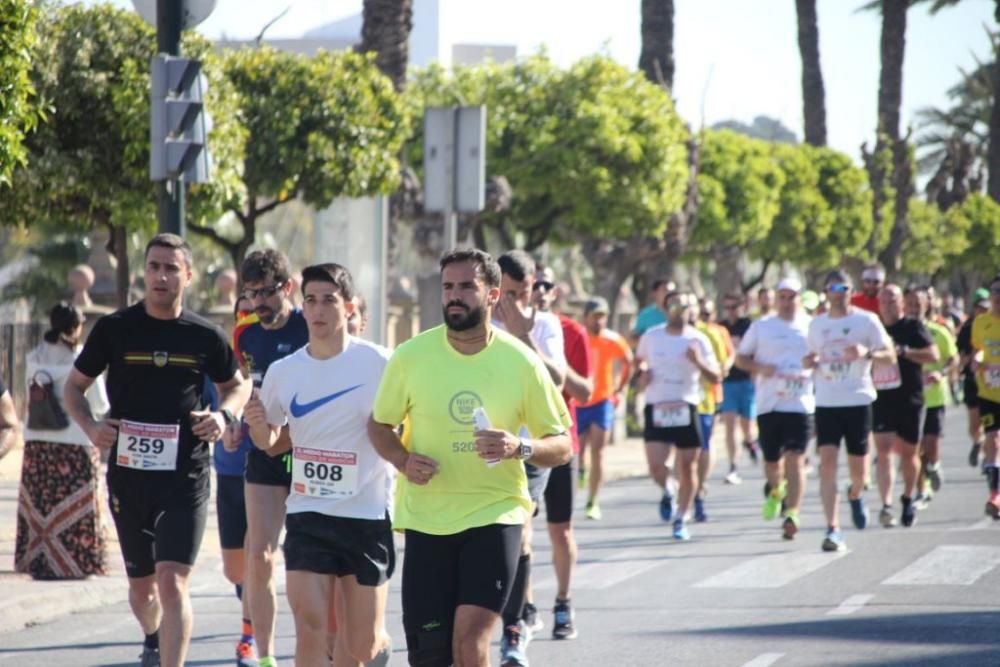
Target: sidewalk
[{"x": 26, "y": 602}]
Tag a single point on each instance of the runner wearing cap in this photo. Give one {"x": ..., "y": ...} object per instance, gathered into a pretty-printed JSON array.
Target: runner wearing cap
[
  {"x": 872, "y": 279},
  {"x": 596, "y": 418},
  {"x": 970, "y": 391},
  {"x": 772, "y": 350},
  {"x": 843, "y": 342},
  {"x": 722, "y": 347},
  {"x": 985, "y": 364}
]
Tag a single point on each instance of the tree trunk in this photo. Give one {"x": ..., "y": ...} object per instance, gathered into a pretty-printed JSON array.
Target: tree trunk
[
  {"x": 813, "y": 93},
  {"x": 657, "y": 57},
  {"x": 993, "y": 154},
  {"x": 385, "y": 29}
]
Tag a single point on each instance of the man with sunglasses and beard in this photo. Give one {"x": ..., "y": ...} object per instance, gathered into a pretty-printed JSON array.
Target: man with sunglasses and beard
[
  {"x": 280, "y": 330},
  {"x": 843, "y": 343}
]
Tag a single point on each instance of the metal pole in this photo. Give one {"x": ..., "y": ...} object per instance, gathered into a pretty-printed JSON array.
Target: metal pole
[
  {"x": 170, "y": 193},
  {"x": 450, "y": 219}
]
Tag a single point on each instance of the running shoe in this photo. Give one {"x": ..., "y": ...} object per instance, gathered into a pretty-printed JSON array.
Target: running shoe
[
  {"x": 512, "y": 653},
  {"x": 532, "y": 621},
  {"x": 666, "y": 507},
  {"x": 150, "y": 657},
  {"x": 699, "y": 509},
  {"x": 790, "y": 526},
  {"x": 381, "y": 658},
  {"x": 908, "y": 516},
  {"x": 859, "y": 513},
  {"x": 974, "y": 454},
  {"x": 681, "y": 530},
  {"x": 886, "y": 517},
  {"x": 562, "y": 627},
  {"x": 593, "y": 510},
  {"x": 773, "y": 503},
  {"x": 993, "y": 506},
  {"x": 733, "y": 477},
  {"x": 933, "y": 475},
  {"x": 833, "y": 541},
  {"x": 246, "y": 653},
  {"x": 751, "y": 448}
]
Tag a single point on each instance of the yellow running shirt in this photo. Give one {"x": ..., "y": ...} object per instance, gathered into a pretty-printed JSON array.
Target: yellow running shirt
[
  {"x": 437, "y": 389},
  {"x": 986, "y": 337}
]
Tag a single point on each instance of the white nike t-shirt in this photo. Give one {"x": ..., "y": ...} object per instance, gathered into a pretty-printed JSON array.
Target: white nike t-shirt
[
  {"x": 840, "y": 383},
  {"x": 782, "y": 344},
  {"x": 673, "y": 377},
  {"x": 326, "y": 404}
]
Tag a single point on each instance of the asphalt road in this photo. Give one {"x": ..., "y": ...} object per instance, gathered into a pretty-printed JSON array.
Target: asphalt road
[{"x": 735, "y": 595}]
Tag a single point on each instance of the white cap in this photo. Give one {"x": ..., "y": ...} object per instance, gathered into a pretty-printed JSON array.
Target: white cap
[{"x": 790, "y": 284}]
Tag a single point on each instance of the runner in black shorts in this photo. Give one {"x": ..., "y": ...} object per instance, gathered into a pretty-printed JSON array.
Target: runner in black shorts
[
  {"x": 157, "y": 356},
  {"x": 970, "y": 390}
]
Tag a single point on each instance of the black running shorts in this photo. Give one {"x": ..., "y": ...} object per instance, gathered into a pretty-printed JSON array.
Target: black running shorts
[
  {"x": 268, "y": 470},
  {"x": 989, "y": 415},
  {"x": 159, "y": 516},
  {"x": 231, "y": 508},
  {"x": 684, "y": 437},
  {"x": 897, "y": 417},
  {"x": 783, "y": 432},
  {"x": 559, "y": 493},
  {"x": 340, "y": 546},
  {"x": 970, "y": 391},
  {"x": 934, "y": 421},
  {"x": 852, "y": 424}
]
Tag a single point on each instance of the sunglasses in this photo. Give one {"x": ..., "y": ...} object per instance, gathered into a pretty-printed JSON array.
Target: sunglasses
[
  {"x": 543, "y": 285},
  {"x": 837, "y": 287},
  {"x": 266, "y": 292}
]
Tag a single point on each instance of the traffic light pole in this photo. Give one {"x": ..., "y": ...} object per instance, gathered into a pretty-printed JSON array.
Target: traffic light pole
[{"x": 170, "y": 192}]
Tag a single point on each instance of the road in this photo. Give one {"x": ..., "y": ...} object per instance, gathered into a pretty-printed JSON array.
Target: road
[{"x": 735, "y": 595}]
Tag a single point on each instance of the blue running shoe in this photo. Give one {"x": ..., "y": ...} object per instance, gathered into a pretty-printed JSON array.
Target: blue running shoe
[
  {"x": 699, "y": 510},
  {"x": 833, "y": 541},
  {"x": 512, "y": 642},
  {"x": 680, "y": 530},
  {"x": 859, "y": 513},
  {"x": 667, "y": 507}
]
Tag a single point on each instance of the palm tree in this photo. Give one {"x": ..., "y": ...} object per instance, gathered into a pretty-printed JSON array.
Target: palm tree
[
  {"x": 813, "y": 93},
  {"x": 385, "y": 29},
  {"x": 657, "y": 57}
]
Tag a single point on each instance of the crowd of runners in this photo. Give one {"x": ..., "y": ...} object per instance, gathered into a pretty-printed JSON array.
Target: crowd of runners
[{"x": 453, "y": 441}]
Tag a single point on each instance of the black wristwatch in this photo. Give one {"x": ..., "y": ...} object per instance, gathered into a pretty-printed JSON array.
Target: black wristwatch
[{"x": 227, "y": 416}]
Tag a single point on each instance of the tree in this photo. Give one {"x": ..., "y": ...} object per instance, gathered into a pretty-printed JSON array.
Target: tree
[
  {"x": 657, "y": 28},
  {"x": 316, "y": 128},
  {"x": 813, "y": 92},
  {"x": 385, "y": 30},
  {"x": 19, "y": 114},
  {"x": 980, "y": 215},
  {"x": 927, "y": 251}
]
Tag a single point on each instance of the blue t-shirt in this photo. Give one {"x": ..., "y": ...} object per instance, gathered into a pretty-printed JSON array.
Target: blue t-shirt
[
  {"x": 229, "y": 464},
  {"x": 648, "y": 317}
]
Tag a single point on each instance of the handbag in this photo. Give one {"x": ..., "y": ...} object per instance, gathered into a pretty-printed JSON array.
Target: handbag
[{"x": 44, "y": 411}]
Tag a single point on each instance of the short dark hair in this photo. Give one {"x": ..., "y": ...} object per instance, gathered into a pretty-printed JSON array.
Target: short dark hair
[
  {"x": 517, "y": 264},
  {"x": 63, "y": 318},
  {"x": 486, "y": 266},
  {"x": 173, "y": 242},
  {"x": 361, "y": 305},
  {"x": 260, "y": 264},
  {"x": 660, "y": 282},
  {"x": 837, "y": 276},
  {"x": 329, "y": 273}
]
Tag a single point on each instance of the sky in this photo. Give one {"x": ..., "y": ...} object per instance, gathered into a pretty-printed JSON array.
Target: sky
[{"x": 735, "y": 59}]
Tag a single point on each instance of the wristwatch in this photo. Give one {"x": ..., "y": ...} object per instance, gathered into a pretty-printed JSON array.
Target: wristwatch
[
  {"x": 227, "y": 416},
  {"x": 524, "y": 450}
]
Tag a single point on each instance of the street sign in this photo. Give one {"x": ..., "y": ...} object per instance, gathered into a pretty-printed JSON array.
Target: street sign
[
  {"x": 193, "y": 12},
  {"x": 454, "y": 164},
  {"x": 177, "y": 130}
]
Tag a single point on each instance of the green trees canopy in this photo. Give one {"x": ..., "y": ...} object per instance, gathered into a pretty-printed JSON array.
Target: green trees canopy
[{"x": 18, "y": 111}]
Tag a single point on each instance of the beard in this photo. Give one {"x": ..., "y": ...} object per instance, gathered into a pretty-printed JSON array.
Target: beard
[
  {"x": 470, "y": 319},
  {"x": 265, "y": 315}
]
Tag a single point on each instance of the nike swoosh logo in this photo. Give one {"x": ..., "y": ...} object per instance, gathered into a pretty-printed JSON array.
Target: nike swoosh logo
[{"x": 302, "y": 409}]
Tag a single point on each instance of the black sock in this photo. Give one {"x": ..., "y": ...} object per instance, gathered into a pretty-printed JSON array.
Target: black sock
[
  {"x": 239, "y": 592},
  {"x": 993, "y": 476},
  {"x": 518, "y": 592},
  {"x": 152, "y": 641}
]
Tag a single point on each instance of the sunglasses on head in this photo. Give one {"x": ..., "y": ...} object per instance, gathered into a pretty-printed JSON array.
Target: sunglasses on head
[
  {"x": 266, "y": 292},
  {"x": 837, "y": 287}
]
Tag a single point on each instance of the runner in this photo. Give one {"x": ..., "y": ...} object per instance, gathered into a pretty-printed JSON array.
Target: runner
[
  {"x": 672, "y": 359},
  {"x": 765, "y": 303},
  {"x": 898, "y": 409},
  {"x": 722, "y": 348},
  {"x": 872, "y": 279},
  {"x": 772, "y": 350},
  {"x": 157, "y": 355},
  {"x": 338, "y": 525},
  {"x": 652, "y": 315},
  {"x": 738, "y": 401},
  {"x": 986, "y": 365},
  {"x": 466, "y": 389},
  {"x": 280, "y": 331},
  {"x": 842, "y": 344},
  {"x": 596, "y": 418},
  {"x": 936, "y": 388},
  {"x": 970, "y": 388}
]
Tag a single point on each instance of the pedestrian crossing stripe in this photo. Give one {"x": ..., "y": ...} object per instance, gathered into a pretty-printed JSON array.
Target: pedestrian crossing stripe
[
  {"x": 948, "y": 565},
  {"x": 771, "y": 571}
]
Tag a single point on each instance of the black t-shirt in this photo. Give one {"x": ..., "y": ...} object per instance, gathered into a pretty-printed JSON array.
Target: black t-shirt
[
  {"x": 737, "y": 330},
  {"x": 913, "y": 334},
  {"x": 156, "y": 371},
  {"x": 964, "y": 343}
]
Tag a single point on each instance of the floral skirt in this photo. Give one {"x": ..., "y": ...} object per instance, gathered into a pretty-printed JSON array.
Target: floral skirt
[{"x": 60, "y": 534}]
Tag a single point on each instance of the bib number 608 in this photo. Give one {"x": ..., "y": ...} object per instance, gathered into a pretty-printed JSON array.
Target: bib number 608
[
  {"x": 322, "y": 471},
  {"x": 145, "y": 445}
]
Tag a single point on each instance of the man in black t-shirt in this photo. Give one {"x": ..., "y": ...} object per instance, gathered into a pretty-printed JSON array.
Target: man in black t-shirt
[
  {"x": 157, "y": 356},
  {"x": 8, "y": 421},
  {"x": 738, "y": 395},
  {"x": 898, "y": 410}
]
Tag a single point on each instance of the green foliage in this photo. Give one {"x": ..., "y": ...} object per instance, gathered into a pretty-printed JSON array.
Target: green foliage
[
  {"x": 19, "y": 113},
  {"x": 45, "y": 283},
  {"x": 595, "y": 149},
  {"x": 935, "y": 239},
  {"x": 739, "y": 186},
  {"x": 844, "y": 187},
  {"x": 980, "y": 215}
]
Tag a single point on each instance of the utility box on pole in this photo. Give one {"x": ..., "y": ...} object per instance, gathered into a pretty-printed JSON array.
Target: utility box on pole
[
  {"x": 454, "y": 164},
  {"x": 177, "y": 132}
]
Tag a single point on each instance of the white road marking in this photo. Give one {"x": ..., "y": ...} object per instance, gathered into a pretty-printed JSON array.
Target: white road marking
[
  {"x": 764, "y": 660},
  {"x": 948, "y": 565},
  {"x": 850, "y": 605},
  {"x": 603, "y": 574},
  {"x": 982, "y": 524},
  {"x": 771, "y": 571}
]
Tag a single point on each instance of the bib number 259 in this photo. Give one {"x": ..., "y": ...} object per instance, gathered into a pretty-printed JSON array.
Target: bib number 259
[{"x": 145, "y": 445}]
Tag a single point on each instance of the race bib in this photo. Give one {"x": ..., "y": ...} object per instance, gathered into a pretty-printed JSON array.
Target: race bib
[
  {"x": 791, "y": 386},
  {"x": 671, "y": 415},
  {"x": 147, "y": 446},
  {"x": 886, "y": 376},
  {"x": 320, "y": 473},
  {"x": 991, "y": 375}
]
